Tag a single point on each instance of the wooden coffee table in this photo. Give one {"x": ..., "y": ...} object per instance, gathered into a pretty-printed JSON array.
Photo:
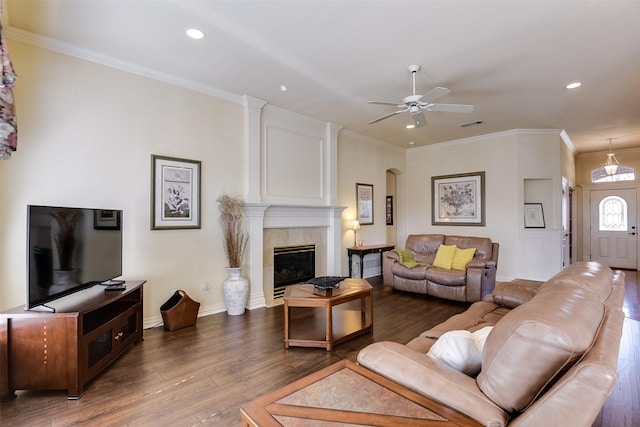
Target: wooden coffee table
[
  {"x": 346, "y": 393},
  {"x": 314, "y": 318}
]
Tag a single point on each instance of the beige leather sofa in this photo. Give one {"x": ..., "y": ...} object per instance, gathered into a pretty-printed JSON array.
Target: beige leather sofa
[
  {"x": 469, "y": 285},
  {"x": 550, "y": 359}
]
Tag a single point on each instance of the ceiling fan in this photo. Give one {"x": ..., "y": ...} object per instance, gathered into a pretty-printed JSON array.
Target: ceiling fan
[{"x": 414, "y": 104}]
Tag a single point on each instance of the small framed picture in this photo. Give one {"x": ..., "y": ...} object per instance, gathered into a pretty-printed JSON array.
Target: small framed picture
[
  {"x": 364, "y": 201},
  {"x": 175, "y": 193},
  {"x": 389, "y": 210},
  {"x": 104, "y": 219},
  {"x": 533, "y": 215}
]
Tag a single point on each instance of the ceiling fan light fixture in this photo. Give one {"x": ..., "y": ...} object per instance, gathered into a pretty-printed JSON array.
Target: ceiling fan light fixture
[{"x": 416, "y": 104}]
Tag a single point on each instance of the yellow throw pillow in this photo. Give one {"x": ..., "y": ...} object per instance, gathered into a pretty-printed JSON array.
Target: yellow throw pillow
[
  {"x": 444, "y": 256},
  {"x": 461, "y": 258}
]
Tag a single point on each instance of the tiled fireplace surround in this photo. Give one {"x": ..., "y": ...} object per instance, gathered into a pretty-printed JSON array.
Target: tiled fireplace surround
[{"x": 286, "y": 210}]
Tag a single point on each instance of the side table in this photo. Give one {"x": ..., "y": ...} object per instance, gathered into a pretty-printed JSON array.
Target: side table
[
  {"x": 328, "y": 317},
  {"x": 361, "y": 251}
]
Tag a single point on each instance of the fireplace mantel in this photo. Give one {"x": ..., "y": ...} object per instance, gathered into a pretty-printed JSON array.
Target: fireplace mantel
[{"x": 281, "y": 192}]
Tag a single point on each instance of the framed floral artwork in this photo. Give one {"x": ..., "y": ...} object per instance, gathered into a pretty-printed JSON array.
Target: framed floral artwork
[
  {"x": 458, "y": 199},
  {"x": 175, "y": 193}
]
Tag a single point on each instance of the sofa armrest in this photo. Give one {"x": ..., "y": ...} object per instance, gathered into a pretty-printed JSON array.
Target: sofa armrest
[
  {"x": 391, "y": 255},
  {"x": 388, "y": 259},
  {"x": 511, "y": 295},
  {"x": 481, "y": 263},
  {"x": 433, "y": 379}
]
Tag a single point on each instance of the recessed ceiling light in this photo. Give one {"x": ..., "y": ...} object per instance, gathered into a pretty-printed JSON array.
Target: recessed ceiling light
[
  {"x": 283, "y": 88},
  {"x": 194, "y": 33},
  {"x": 410, "y": 126},
  {"x": 573, "y": 85},
  {"x": 411, "y": 143}
]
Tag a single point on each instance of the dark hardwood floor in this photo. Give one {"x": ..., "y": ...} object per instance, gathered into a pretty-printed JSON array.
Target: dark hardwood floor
[{"x": 202, "y": 375}]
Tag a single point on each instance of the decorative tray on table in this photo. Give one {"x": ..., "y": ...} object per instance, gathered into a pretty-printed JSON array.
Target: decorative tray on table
[{"x": 326, "y": 282}]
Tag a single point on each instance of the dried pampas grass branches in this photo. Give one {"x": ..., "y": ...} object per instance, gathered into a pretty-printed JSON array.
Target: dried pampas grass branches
[{"x": 232, "y": 223}]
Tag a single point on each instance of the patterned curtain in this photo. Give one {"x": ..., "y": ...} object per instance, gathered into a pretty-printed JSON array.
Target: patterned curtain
[{"x": 8, "y": 122}]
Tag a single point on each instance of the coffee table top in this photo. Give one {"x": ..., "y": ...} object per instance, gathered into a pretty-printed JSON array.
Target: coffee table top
[
  {"x": 348, "y": 287},
  {"x": 347, "y": 393}
]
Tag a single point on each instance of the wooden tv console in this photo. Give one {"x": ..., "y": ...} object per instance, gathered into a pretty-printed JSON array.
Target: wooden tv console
[{"x": 66, "y": 349}]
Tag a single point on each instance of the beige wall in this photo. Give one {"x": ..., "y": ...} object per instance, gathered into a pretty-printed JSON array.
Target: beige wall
[
  {"x": 86, "y": 136},
  {"x": 366, "y": 160},
  {"x": 588, "y": 161},
  {"x": 513, "y": 162}
]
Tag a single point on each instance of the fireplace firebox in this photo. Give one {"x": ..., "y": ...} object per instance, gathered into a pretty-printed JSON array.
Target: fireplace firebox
[{"x": 292, "y": 264}]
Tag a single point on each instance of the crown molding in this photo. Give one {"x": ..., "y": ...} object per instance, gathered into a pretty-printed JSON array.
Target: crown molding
[{"x": 70, "y": 49}]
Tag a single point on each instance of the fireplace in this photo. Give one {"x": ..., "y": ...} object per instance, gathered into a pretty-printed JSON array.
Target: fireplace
[{"x": 292, "y": 264}]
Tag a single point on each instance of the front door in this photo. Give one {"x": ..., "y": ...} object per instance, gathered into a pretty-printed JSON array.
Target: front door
[{"x": 613, "y": 228}]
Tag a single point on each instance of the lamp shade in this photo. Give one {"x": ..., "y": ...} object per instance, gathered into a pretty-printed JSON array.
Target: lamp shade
[{"x": 355, "y": 225}]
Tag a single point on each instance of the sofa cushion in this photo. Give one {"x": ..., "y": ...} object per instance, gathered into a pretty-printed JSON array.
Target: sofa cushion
[
  {"x": 415, "y": 273},
  {"x": 461, "y": 349},
  {"x": 444, "y": 256},
  {"x": 483, "y": 245},
  {"x": 446, "y": 277},
  {"x": 477, "y": 316},
  {"x": 537, "y": 341},
  {"x": 586, "y": 275},
  {"x": 461, "y": 258},
  {"x": 424, "y": 243}
]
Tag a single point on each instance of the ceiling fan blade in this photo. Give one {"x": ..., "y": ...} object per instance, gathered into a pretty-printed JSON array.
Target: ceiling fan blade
[
  {"x": 419, "y": 119},
  {"x": 386, "y": 117},
  {"x": 433, "y": 94},
  {"x": 397, "y": 104},
  {"x": 450, "y": 108}
]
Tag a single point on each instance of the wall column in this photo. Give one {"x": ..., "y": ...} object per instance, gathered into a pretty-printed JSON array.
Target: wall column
[
  {"x": 252, "y": 161},
  {"x": 254, "y": 213}
]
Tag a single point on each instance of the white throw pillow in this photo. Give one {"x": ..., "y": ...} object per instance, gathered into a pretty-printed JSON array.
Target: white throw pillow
[{"x": 461, "y": 349}]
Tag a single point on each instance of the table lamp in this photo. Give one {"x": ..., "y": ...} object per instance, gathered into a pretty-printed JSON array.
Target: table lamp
[{"x": 355, "y": 226}]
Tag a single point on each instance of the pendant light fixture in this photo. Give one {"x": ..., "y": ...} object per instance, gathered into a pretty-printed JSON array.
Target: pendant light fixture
[{"x": 611, "y": 166}]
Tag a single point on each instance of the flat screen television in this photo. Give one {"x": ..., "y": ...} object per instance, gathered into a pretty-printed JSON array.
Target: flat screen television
[{"x": 70, "y": 249}]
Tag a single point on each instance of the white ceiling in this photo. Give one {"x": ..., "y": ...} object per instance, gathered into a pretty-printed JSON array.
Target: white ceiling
[{"x": 511, "y": 59}]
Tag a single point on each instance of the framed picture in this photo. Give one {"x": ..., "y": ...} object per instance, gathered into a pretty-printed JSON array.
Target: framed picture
[
  {"x": 175, "y": 193},
  {"x": 533, "y": 215},
  {"x": 104, "y": 219},
  {"x": 389, "y": 211},
  {"x": 364, "y": 201},
  {"x": 458, "y": 199}
]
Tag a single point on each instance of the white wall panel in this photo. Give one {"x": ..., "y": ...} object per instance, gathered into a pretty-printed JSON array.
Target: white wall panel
[{"x": 294, "y": 165}]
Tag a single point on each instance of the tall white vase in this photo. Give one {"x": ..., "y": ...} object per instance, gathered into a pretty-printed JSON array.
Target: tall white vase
[{"x": 236, "y": 291}]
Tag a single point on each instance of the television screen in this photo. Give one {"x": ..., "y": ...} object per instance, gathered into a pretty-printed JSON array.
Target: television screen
[{"x": 70, "y": 249}]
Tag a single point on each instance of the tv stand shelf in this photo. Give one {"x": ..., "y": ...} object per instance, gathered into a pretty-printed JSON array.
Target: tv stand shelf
[{"x": 67, "y": 349}]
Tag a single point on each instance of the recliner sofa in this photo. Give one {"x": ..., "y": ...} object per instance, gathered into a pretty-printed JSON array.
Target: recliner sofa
[
  {"x": 470, "y": 285},
  {"x": 550, "y": 358}
]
